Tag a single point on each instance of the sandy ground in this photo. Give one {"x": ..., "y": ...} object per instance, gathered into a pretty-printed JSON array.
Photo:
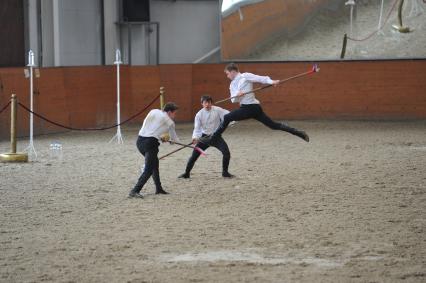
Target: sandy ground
[
  {"x": 348, "y": 207},
  {"x": 322, "y": 37}
]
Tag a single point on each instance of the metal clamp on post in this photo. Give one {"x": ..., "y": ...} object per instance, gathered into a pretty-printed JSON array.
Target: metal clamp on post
[{"x": 399, "y": 27}]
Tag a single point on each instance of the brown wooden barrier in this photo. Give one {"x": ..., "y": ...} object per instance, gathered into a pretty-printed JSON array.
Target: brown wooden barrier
[{"x": 84, "y": 97}]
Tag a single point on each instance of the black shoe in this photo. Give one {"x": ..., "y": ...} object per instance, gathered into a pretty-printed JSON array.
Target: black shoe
[
  {"x": 304, "y": 136},
  {"x": 184, "y": 176},
  {"x": 133, "y": 194},
  {"x": 161, "y": 192},
  {"x": 227, "y": 175}
]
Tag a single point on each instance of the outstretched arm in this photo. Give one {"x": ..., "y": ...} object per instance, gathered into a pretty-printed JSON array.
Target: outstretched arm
[{"x": 259, "y": 79}]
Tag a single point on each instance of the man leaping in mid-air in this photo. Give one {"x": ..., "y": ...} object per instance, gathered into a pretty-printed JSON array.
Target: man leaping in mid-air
[{"x": 240, "y": 87}]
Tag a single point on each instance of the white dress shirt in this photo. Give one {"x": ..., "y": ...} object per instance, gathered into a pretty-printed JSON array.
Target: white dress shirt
[
  {"x": 157, "y": 123},
  {"x": 244, "y": 83},
  {"x": 206, "y": 122}
]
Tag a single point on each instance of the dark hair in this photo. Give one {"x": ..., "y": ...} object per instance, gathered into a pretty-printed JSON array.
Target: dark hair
[
  {"x": 206, "y": 98},
  {"x": 170, "y": 106},
  {"x": 231, "y": 67}
]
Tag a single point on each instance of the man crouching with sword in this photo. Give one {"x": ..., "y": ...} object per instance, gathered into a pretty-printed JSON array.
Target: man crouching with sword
[{"x": 207, "y": 120}]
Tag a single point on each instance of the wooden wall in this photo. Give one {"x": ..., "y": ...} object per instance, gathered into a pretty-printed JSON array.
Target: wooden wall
[{"x": 84, "y": 97}]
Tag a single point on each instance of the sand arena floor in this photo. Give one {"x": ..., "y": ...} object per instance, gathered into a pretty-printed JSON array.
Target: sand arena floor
[
  {"x": 348, "y": 207},
  {"x": 322, "y": 37}
]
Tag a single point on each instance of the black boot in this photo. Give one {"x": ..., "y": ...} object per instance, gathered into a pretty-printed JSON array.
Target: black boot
[
  {"x": 184, "y": 176},
  {"x": 135, "y": 194},
  {"x": 225, "y": 165},
  {"x": 160, "y": 191},
  {"x": 227, "y": 175},
  {"x": 189, "y": 166},
  {"x": 301, "y": 134}
]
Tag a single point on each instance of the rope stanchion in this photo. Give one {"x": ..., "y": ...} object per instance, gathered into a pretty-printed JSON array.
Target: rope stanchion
[
  {"x": 13, "y": 156},
  {"x": 88, "y": 129},
  {"x": 374, "y": 32},
  {"x": 5, "y": 107},
  {"x": 379, "y": 28}
]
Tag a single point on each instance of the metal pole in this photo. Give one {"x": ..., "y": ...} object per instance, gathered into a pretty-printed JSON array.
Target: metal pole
[
  {"x": 148, "y": 43},
  {"x": 118, "y": 134},
  {"x": 13, "y": 124},
  {"x": 129, "y": 39},
  {"x": 118, "y": 96},
  {"x": 31, "y": 103},
  {"x": 158, "y": 44},
  {"x": 400, "y": 27},
  {"x": 30, "y": 149},
  {"x": 380, "y": 17},
  {"x": 162, "y": 97}
]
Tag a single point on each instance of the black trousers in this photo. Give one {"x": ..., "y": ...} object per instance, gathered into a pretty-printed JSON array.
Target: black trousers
[
  {"x": 252, "y": 111},
  {"x": 220, "y": 144},
  {"x": 148, "y": 146}
]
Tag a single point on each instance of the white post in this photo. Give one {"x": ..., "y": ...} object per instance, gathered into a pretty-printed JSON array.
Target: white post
[
  {"x": 379, "y": 27},
  {"x": 117, "y": 62},
  {"x": 352, "y": 4},
  {"x": 32, "y": 154}
]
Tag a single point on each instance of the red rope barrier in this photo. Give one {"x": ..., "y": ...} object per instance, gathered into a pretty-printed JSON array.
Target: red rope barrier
[
  {"x": 88, "y": 129},
  {"x": 5, "y": 107},
  {"x": 376, "y": 31}
]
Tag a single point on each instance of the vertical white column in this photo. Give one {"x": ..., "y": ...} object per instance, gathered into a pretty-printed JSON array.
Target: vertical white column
[
  {"x": 379, "y": 27},
  {"x": 32, "y": 154},
  {"x": 117, "y": 62}
]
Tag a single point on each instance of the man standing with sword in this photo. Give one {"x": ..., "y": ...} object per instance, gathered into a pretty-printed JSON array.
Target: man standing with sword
[
  {"x": 156, "y": 123},
  {"x": 240, "y": 89}
]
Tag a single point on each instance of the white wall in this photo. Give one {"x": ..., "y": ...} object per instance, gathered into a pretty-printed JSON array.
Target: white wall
[
  {"x": 80, "y": 32},
  {"x": 111, "y": 16},
  {"x": 72, "y": 32},
  {"x": 188, "y": 29},
  {"x": 47, "y": 33},
  {"x": 32, "y": 31}
]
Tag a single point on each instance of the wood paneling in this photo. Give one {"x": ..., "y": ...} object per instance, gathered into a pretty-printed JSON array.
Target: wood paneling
[
  {"x": 85, "y": 97},
  {"x": 177, "y": 80},
  {"x": 143, "y": 88}
]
